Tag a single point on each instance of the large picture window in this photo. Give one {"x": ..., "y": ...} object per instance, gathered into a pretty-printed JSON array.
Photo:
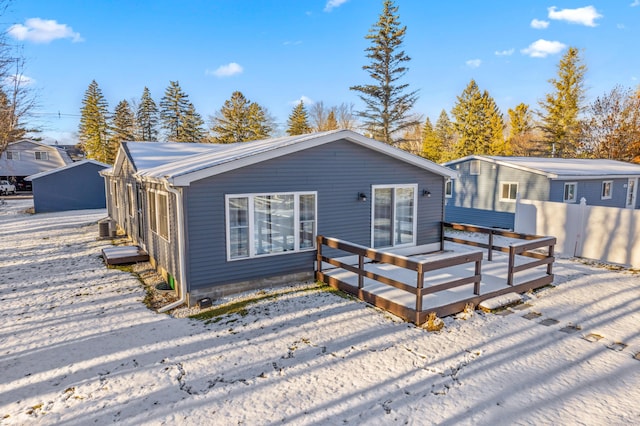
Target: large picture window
[
  {"x": 266, "y": 224},
  {"x": 394, "y": 211}
]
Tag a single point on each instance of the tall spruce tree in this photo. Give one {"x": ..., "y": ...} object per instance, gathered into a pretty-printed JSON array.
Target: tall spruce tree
[
  {"x": 147, "y": 117},
  {"x": 173, "y": 108},
  {"x": 497, "y": 142},
  {"x": 521, "y": 137},
  {"x": 332, "y": 123},
  {"x": 240, "y": 120},
  {"x": 191, "y": 129},
  {"x": 298, "y": 123},
  {"x": 470, "y": 122},
  {"x": 388, "y": 102},
  {"x": 446, "y": 135},
  {"x": 122, "y": 128},
  {"x": 560, "y": 109},
  {"x": 93, "y": 130},
  {"x": 432, "y": 146}
]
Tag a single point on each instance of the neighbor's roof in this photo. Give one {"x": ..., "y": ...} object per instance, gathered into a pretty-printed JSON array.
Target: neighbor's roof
[
  {"x": 229, "y": 157},
  {"x": 563, "y": 168},
  {"x": 68, "y": 166}
]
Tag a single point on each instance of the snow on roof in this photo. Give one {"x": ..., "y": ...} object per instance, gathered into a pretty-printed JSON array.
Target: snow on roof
[
  {"x": 146, "y": 155},
  {"x": 555, "y": 168},
  {"x": 68, "y": 166},
  {"x": 232, "y": 156}
]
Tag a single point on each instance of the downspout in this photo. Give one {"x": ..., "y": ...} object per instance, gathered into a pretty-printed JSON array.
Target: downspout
[{"x": 183, "y": 274}]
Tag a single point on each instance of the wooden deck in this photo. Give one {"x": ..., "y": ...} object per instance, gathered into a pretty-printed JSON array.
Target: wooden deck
[{"x": 443, "y": 282}]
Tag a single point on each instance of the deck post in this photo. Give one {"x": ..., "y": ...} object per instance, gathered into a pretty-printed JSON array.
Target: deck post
[
  {"x": 419, "y": 286},
  {"x": 441, "y": 236},
  {"x": 512, "y": 259},
  {"x": 476, "y": 285},
  {"x": 550, "y": 265},
  {"x": 490, "y": 254},
  {"x": 360, "y": 271},
  {"x": 318, "y": 256}
]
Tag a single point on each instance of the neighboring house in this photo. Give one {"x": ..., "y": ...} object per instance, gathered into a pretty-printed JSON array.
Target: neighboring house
[
  {"x": 486, "y": 190},
  {"x": 76, "y": 186},
  {"x": 25, "y": 158},
  {"x": 233, "y": 217}
]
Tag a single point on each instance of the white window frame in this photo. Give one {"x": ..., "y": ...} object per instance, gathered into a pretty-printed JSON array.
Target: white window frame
[
  {"x": 114, "y": 193},
  {"x": 508, "y": 200},
  {"x": 606, "y": 184},
  {"x": 44, "y": 155},
  {"x": 448, "y": 188},
  {"x": 251, "y": 224},
  {"x": 575, "y": 192},
  {"x": 154, "y": 211},
  {"x": 15, "y": 155},
  {"x": 130, "y": 199},
  {"x": 395, "y": 187},
  {"x": 473, "y": 172}
]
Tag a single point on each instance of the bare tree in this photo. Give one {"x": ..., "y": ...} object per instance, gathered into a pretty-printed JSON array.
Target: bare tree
[{"x": 318, "y": 116}]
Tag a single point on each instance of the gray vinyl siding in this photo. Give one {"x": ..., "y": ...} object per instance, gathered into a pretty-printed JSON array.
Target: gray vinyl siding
[
  {"x": 338, "y": 171},
  {"x": 591, "y": 190},
  {"x": 74, "y": 188},
  {"x": 479, "y": 217}
]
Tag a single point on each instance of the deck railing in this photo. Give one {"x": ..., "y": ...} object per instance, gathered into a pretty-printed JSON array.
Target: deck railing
[
  {"x": 421, "y": 267},
  {"x": 532, "y": 242}
]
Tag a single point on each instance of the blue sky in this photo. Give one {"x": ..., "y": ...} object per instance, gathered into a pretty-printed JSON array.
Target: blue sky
[{"x": 277, "y": 52}]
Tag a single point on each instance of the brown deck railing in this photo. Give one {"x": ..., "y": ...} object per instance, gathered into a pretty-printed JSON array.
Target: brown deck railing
[
  {"x": 532, "y": 242},
  {"x": 421, "y": 267}
]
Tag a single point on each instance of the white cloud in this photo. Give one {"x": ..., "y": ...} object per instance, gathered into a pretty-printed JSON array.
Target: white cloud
[
  {"x": 542, "y": 48},
  {"x": 508, "y": 52},
  {"x": 228, "y": 70},
  {"x": 539, "y": 24},
  {"x": 42, "y": 31},
  {"x": 332, "y": 4},
  {"x": 635, "y": 3},
  {"x": 473, "y": 63},
  {"x": 292, "y": 43},
  {"x": 22, "y": 80},
  {"x": 307, "y": 101},
  {"x": 582, "y": 15}
]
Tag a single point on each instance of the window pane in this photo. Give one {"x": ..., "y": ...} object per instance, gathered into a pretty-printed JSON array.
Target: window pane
[
  {"x": 163, "y": 217},
  {"x": 239, "y": 242},
  {"x": 382, "y": 216},
  {"x": 274, "y": 223},
  {"x": 505, "y": 191},
  {"x": 238, "y": 212},
  {"x": 307, "y": 221},
  {"x": 513, "y": 192},
  {"x": 404, "y": 215},
  {"x": 238, "y": 227},
  {"x": 448, "y": 188},
  {"x": 152, "y": 211}
]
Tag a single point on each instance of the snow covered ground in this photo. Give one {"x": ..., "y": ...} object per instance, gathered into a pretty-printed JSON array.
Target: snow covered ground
[{"x": 77, "y": 346}]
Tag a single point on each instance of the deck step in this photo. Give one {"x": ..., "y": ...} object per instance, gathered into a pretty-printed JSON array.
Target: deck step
[
  {"x": 122, "y": 255},
  {"x": 500, "y": 302}
]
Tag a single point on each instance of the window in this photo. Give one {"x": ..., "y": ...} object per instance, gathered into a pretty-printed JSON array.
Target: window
[
  {"x": 159, "y": 213},
  {"x": 266, "y": 224},
  {"x": 508, "y": 191},
  {"x": 13, "y": 155},
  {"x": 394, "y": 210},
  {"x": 474, "y": 167},
  {"x": 569, "y": 192},
  {"x": 130, "y": 206},
  {"x": 42, "y": 155},
  {"x": 448, "y": 188},
  {"x": 606, "y": 189},
  {"x": 114, "y": 193}
]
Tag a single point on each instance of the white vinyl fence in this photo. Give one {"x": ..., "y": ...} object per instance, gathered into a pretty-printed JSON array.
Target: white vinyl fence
[{"x": 608, "y": 234}]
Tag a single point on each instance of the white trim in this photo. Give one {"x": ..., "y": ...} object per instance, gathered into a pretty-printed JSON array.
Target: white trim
[
  {"x": 130, "y": 210},
  {"x": 602, "y": 194},
  {"x": 250, "y": 224},
  {"x": 631, "y": 193},
  {"x": 448, "y": 181},
  {"x": 508, "y": 200},
  {"x": 414, "y": 186},
  {"x": 158, "y": 192},
  {"x": 575, "y": 192}
]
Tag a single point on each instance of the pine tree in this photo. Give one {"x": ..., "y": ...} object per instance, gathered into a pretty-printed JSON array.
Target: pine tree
[
  {"x": 446, "y": 135},
  {"x": 191, "y": 129},
  {"x": 332, "y": 123},
  {"x": 173, "y": 108},
  {"x": 122, "y": 128},
  {"x": 388, "y": 103},
  {"x": 560, "y": 114},
  {"x": 471, "y": 123},
  {"x": 93, "y": 130},
  {"x": 432, "y": 146},
  {"x": 298, "y": 123},
  {"x": 497, "y": 142},
  {"x": 240, "y": 120},
  {"x": 147, "y": 117}
]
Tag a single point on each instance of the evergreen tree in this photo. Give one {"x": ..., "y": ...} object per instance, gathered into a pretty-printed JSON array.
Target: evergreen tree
[
  {"x": 240, "y": 120},
  {"x": 173, "y": 108},
  {"x": 94, "y": 125},
  {"x": 147, "y": 117},
  {"x": 560, "y": 114},
  {"x": 497, "y": 142},
  {"x": 191, "y": 129},
  {"x": 521, "y": 139},
  {"x": 298, "y": 121},
  {"x": 432, "y": 146},
  {"x": 122, "y": 128},
  {"x": 332, "y": 123},
  {"x": 446, "y": 135},
  {"x": 388, "y": 103},
  {"x": 471, "y": 122}
]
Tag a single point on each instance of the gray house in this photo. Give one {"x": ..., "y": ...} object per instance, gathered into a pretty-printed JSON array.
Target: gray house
[
  {"x": 26, "y": 157},
  {"x": 220, "y": 219},
  {"x": 486, "y": 190},
  {"x": 76, "y": 186}
]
